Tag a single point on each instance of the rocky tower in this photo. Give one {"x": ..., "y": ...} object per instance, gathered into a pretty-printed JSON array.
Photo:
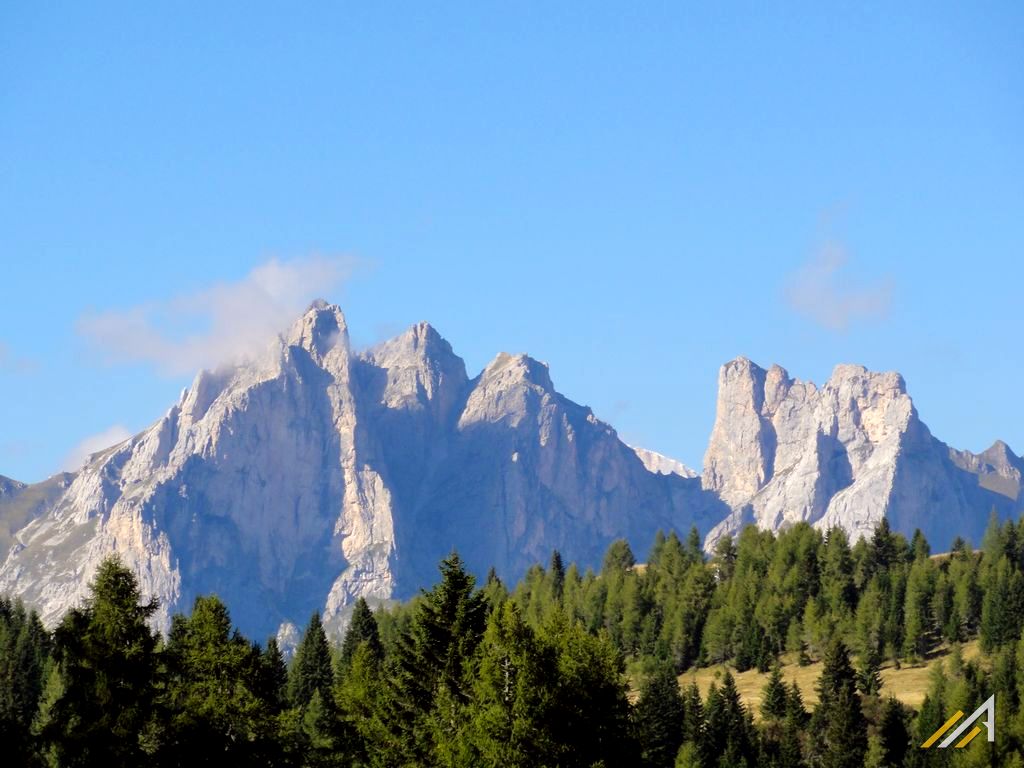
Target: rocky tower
[
  {"x": 312, "y": 476},
  {"x": 847, "y": 454}
]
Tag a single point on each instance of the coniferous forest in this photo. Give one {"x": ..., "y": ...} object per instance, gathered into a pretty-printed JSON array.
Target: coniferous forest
[{"x": 565, "y": 668}]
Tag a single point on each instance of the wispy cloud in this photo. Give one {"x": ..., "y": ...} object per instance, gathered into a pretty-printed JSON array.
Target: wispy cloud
[
  {"x": 822, "y": 291},
  {"x": 111, "y": 436},
  {"x": 217, "y": 325},
  {"x": 11, "y": 363}
]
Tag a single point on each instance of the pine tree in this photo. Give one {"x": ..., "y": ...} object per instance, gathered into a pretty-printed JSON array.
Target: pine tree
[
  {"x": 774, "y": 698},
  {"x": 514, "y": 695},
  {"x": 430, "y": 672},
  {"x": 795, "y": 704},
  {"x": 783, "y": 725},
  {"x": 883, "y": 551},
  {"x": 591, "y": 716},
  {"x": 216, "y": 689},
  {"x": 838, "y": 725},
  {"x": 24, "y": 667},
  {"x": 837, "y": 573},
  {"x": 43, "y": 722},
  {"x": 556, "y": 573},
  {"x": 1002, "y": 605},
  {"x": 869, "y": 676},
  {"x": 920, "y": 588},
  {"x": 694, "y": 550},
  {"x": 693, "y": 717},
  {"x": 619, "y": 557},
  {"x": 361, "y": 629},
  {"x": 273, "y": 676},
  {"x": 107, "y": 666},
  {"x": 311, "y": 668},
  {"x": 724, "y": 558},
  {"x": 731, "y": 737},
  {"x": 993, "y": 542},
  {"x": 919, "y": 545},
  {"x": 893, "y": 733},
  {"x": 362, "y": 702},
  {"x": 659, "y": 718}
]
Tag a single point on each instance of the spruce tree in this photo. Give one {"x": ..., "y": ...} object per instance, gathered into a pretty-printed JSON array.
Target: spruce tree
[
  {"x": 920, "y": 587},
  {"x": 273, "y": 676},
  {"x": 431, "y": 667},
  {"x": 693, "y": 730},
  {"x": 659, "y": 718},
  {"x": 362, "y": 629},
  {"x": 216, "y": 689},
  {"x": 591, "y": 716},
  {"x": 694, "y": 550},
  {"x": 919, "y": 545},
  {"x": 24, "y": 667},
  {"x": 1002, "y": 605},
  {"x": 731, "y": 738},
  {"x": 775, "y": 696},
  {"x": 883, "y": 551},
  {"x": 869, "y": 676},
  {"x": 363, "y": 706},
  {"x": 837, "y": 583},
  {"x": 105, "y": 651},
  {"x": 795, "y": 704},
  {"x": 556, "y": 573},
  {"x": 311, "y": 668},
  {"x": 514, "y": 696},
  {"x": 838, "y": 724},
  {"x": 618, "y": 558},
  {"x": 893, "y": 733}
]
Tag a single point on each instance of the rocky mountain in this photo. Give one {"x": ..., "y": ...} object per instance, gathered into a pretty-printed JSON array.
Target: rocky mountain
[
  {"x": 20, "y": 503},
  {"x": 657, "y": 462},
  {"x": 314, "y": 475},
  {"x": 847, "y": 454}
]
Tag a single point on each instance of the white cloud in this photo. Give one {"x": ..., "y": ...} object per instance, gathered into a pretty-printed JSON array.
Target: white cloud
[
  {"x": 821, "y": 291},
  {"x": 220, "y": 324},
  {"x": 105, "y": 439}
]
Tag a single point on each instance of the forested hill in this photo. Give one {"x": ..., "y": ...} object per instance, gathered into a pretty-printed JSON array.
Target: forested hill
[{"x": 562, "y": 669}]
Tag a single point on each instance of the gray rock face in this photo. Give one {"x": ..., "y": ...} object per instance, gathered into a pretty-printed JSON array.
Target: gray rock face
[
  {"x": 312, "y": 476},
  {"x": 21, "y": 503},
  {"x": 315, "y": 475},
  {"x": 855, "y": 451}
]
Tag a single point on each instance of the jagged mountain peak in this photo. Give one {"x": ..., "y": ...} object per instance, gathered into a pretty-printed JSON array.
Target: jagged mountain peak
[
  {"x": 517, "y": 369},
  {"x": 419, "y": 342},
  {"x": 512, "y": 389},
  {"x": 1000, "y": 454},
  {"x": 852, "y": 375},
  {"x": 415, "y": 369},
  {"x": 854, "y": 451},
  {"x": 319, "y": 330}
]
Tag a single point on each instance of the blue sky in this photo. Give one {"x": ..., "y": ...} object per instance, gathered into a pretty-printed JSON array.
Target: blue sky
[{"x": 634, "y": 196}]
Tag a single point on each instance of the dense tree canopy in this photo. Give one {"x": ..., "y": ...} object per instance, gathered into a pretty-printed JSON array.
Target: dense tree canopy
[{"x": 566, "y": 668}]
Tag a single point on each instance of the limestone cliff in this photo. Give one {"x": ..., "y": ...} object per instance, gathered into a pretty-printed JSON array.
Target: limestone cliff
[
  {"x": 846, "y": 454},
  {"x": 314, "y": 475}
]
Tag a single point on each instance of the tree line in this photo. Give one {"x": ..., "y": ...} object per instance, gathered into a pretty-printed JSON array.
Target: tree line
[{"x": 565, "y": 668}]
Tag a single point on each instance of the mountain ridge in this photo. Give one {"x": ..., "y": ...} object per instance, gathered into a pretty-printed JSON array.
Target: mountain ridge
[{"x": 316, "y": 474}]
